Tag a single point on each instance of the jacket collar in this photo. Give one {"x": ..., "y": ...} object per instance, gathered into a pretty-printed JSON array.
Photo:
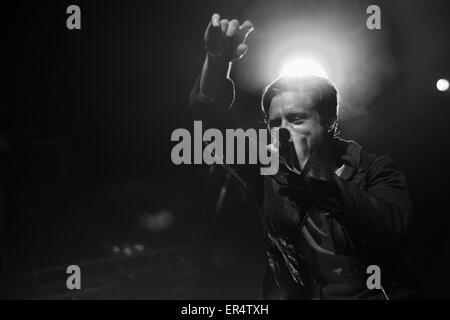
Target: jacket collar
[{"x": 350, "y": 153}]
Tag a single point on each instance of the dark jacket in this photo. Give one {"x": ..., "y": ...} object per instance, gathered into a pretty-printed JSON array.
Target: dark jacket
[{"x": 369, "y": 204}]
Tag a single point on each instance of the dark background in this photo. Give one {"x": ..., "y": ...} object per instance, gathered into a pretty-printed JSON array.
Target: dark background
[{"x": 88, "y": 118}]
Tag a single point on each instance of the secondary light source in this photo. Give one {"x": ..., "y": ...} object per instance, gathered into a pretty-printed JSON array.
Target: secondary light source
[
  {"x": 301, "y": 67},
  {"x": 442, "y": 85}
]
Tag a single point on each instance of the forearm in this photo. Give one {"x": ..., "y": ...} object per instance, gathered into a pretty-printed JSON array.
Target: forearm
[
  {"x": 214, "y": 77},
  {"x": 213, "y": 95}
]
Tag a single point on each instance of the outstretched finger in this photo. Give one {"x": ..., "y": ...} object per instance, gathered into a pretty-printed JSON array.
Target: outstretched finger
[
  {"x": 224, "y": 25},
  {"x": 213, "y": 26},
  {"x": 232, "y": 27},
  {"x": 246, "y": 27},
  {"x": 215, "y": 20}
]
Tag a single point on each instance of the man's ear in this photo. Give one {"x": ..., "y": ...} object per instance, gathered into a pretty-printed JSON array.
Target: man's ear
[{"x": 332, "y": 127}]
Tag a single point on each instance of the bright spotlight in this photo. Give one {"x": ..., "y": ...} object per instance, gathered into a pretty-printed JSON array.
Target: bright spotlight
[
  {"x": 442, "y": 85},
  {"x": 301, "y": 67}
]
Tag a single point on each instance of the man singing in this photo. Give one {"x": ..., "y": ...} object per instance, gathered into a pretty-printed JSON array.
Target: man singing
[{"x": 333, "y": 209}]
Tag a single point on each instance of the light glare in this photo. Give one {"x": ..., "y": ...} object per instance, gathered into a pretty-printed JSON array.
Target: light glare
[
  {"x": 301, "y": 67},
  {"x": 442, "y": 85}
]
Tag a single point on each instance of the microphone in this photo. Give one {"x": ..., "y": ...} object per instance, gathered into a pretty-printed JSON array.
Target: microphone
[
  {"x": 284, "y": 136},
  {"x": 286, "y": 148}
]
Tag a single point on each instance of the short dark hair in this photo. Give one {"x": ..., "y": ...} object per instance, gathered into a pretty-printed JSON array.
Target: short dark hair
[{"x": 321, "y": 90}]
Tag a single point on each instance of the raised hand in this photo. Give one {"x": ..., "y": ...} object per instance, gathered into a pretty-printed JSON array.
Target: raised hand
[{"x": 226, "y": 38}]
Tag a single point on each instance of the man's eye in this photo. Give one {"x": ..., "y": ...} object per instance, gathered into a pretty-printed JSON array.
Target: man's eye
[
  {"x": 275, "y": 123},
  {"x": 297, "y": 120}
]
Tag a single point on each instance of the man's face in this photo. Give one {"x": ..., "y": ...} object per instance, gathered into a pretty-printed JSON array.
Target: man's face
[{"x": 296, "y": 113}]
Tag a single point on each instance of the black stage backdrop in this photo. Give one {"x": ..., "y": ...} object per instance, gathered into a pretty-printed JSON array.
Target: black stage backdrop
[{"x": 88, "y": 116}]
